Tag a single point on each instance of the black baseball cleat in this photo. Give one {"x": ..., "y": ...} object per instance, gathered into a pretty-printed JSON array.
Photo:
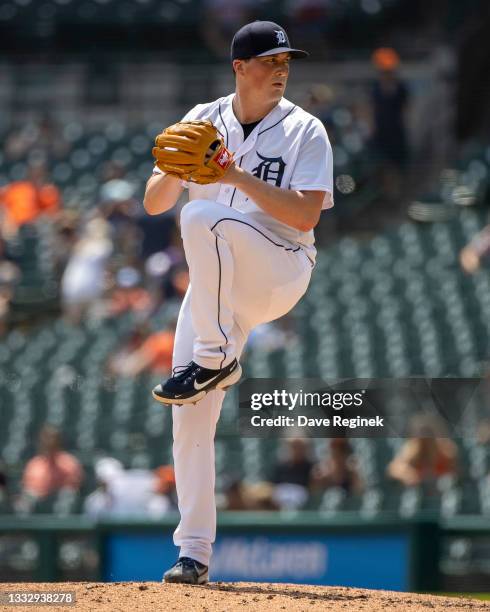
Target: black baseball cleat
[
  {"x": 187, "y": 571},
  {"x": 190, "y": 383}
]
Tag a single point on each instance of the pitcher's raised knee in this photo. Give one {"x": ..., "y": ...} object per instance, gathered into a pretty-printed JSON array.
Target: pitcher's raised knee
[
  {"x": 198, "y": 212},
  {"x": 192, "y": 213}
]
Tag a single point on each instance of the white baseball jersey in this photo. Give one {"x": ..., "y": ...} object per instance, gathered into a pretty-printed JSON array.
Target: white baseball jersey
[{"x": 289, "y": 148}]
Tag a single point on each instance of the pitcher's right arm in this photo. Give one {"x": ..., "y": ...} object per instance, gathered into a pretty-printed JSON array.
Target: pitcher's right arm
[{"x": 161, "y": 194}]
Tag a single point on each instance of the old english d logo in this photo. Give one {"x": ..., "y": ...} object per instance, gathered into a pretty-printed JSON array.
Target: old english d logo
[
  {"x": 280, "y": 37},
  {"x": 270, "y": 169}
]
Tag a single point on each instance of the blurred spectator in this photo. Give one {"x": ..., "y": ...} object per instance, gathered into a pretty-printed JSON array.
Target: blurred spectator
[
  {"x": 50, "y": 139},
  {"x": 116, "y": 196},
  {"x": 4, "y": 496},
  {"x": 101, "y": 501},
  {"x": 308, "y": 20},
  {"x": 426, "y": 456},
  {"x": 53, "y": 469},
  {"x": 175, "y": 248},
  {"x": 9, "y": 276},
  {"x": 120, "y": 209},
  {"x": 477, "y": 250},
  {"x": 222, "y": 19},
  {"x": 338, "y": 470},
  {"x": 24, "y": 201},
  {"x": 131, "y": 344},
  {"x": 434, "y": 137},
  {"x": 123, "y": 492},
  {"x": 234, "y": 497},
  {"x": 177, "y": 282},
  {"x": 129, "y": 295},
  {"x": 36, "y": 140},
  {"x": 166, "y": 272},
  {"x": 116, "y": 189},
  {"x": 296, "y": 466},
  {"x": 483, "y": 435},
  {"x": 112, "y": 170},
  {"x": 165, "y": 495},
  {"x": 6, "y": 295},
  {"x": 83, "y": 280},
  {"x": 260, "y": 496},
  {"x": 144, "y": 351},
  {"x": 65, "y": 239},
  {"x": 319, "y": 102},
  {"x": 239, "y": 495},
  {"x": 292, "y": 474},
  {"x": 159, "y": 233},
  {"x": 473, "y": 69},
  {"x": 389, "y": 96}
]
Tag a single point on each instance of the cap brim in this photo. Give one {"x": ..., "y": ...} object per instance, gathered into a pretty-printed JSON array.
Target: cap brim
[{"x": 296, "y": 53}]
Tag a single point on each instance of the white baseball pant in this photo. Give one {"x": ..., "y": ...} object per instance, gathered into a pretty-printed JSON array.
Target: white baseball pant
[{"x": 241, "y": 275}]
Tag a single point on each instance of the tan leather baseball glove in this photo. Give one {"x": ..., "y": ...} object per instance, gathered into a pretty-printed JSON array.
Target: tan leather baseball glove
[{"x": 192, "y": 151}]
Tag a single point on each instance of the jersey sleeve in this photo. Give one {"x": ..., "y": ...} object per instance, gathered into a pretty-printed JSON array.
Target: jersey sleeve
[
  {"x": 192, "y": 114},
  {"x": 314, "y": 166}
]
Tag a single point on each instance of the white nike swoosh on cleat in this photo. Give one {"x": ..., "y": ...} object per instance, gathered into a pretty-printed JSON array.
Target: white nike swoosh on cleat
[{"x": 199, "y": 386}]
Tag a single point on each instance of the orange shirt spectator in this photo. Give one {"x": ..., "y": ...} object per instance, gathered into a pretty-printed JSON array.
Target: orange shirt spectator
[
  {"x": 24, "y": 201},
  {"x": 153, "y": 354},
  {"x": 135, "y": 299},
  {"x": 158, "y": 349}
]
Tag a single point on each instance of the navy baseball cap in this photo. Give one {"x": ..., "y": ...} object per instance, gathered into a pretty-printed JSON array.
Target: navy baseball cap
[{"x": 261, "y": 38}]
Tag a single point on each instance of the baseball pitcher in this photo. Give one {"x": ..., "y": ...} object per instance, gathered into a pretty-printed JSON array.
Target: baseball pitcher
[{"x": 259, "y": 172}]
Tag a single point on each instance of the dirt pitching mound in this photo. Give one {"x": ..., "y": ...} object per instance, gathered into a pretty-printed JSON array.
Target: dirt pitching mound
[{"x": 242, "y": 596}]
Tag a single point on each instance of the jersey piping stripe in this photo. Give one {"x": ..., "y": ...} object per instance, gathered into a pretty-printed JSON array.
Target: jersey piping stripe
[
  {"x": 280, "y": 120},
  {"x": 219, "y": 292},
  {"x": 224, "y": 125},
  {"x": 234, "y": 190},
  {"x": 257, "y": 230}
]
